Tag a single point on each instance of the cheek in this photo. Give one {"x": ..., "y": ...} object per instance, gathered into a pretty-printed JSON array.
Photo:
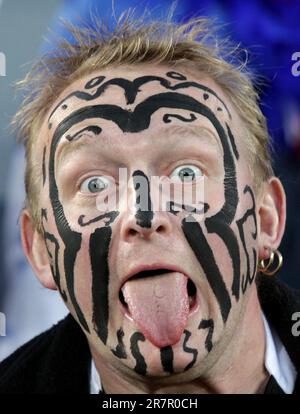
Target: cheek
[
  {"x": 222, "y": 257},
  {"x": 76, "y": 211},
  {"x": 214, "y": 195}
]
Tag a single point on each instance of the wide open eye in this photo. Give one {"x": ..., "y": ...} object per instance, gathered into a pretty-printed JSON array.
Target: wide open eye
[
  {"x": 186, "y": 173},
  {"x": 94, "y": 184}
]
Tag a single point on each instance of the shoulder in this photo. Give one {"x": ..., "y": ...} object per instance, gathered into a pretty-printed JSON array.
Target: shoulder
[
  {"x": 277, "y": 295},
  {"x": 45, "y": 364},
  {"x": 280, "y": 303}
]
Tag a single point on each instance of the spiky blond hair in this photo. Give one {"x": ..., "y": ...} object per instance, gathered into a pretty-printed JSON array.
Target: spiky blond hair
[{"x": 132, "y": 42}]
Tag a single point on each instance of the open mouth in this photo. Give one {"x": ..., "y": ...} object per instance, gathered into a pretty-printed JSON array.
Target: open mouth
[
  {"x": 159, "y": 301},
  {"x": 145, "y": 274}
]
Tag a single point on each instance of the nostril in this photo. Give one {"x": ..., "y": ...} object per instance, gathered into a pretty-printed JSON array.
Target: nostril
[
  {"x": 160, "y": 229},
  {"x": 132, "y": 232}
]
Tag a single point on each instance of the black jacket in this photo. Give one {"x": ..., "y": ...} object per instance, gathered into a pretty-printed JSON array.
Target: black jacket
[{"x": 58, "y": 360}]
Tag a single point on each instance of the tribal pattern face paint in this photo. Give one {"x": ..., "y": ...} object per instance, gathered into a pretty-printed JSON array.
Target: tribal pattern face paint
[
  {"x": 52, "y": 246},
  {"x": 120, "y": 351},
  {"x": 86, "y": 235}
]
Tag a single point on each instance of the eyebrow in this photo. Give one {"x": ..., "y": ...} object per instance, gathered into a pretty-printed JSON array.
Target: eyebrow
[
  {"x": 192, "y": 131},
  {"x": 69, "y": 148}
]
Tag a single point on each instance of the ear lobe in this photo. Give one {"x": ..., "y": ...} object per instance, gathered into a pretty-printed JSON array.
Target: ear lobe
[
  {"x": 35, "y": 250},
  {"x": 272, "y": 216}
]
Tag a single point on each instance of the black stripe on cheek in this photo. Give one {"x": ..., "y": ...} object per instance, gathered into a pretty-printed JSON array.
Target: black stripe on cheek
[
  {"x": 44, "y": 166},
  {"x": 54, "y": 267},
  {"x": 120, "y": 351},
  {"x": 167, "y": 356},
  {"x": 140, "y": 367},
  {"x": 70, "y": 254},
  {"x": 99, "y": 248},
  {"x": 208, "y": 324},
  {"x": 189, "y": 350},
  {"x": 251, "y": 212},
  {"x": 144, "y": 214},
  {"x": 225, "y": 232},
  {"x": 202, "y": 250}
]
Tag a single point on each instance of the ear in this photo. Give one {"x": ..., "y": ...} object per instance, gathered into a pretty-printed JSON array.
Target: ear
[
  {"x": 272, "y": 216},
  {"x": 34, "y": 247}
]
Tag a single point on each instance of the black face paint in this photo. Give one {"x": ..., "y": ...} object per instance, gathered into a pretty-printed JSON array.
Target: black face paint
[
  {"x": 72, "y": 242},
  {"x": 131, "y": 88},
  {"x": 72, "y": 246},
  {"x": 144, "y": 213},
  {"x": 44, "y": 166},
  {"x": 228, "y": 236},
  {"x": 248, "y": 278},
  {"x": 92, "y": 83},
  {"x": 141, "y": 367},
  {"x": 120, "y": 351},
  {"x": 221, "y": 228},
  {"x": 91, "y": 128},
  {"x": 140, "y": 118},
  {"x": 220, "y": 222},
  {"x": 208, "y": 324},
  {"x": 44, "y": 214},
  {"x": 196, "y": 239},
  {"x": 176, "y": 75},
  {"x": 167, "y": 356},
  {"x": 167, "y": 118},
  {"x": 99, "y": 247},
  {"x": 111, "y": 216},
  {"x": 71, "y": 239},
  {"x": 185, "y": 207},
  {"x": 232, "y": 142},
  {"x": 189, "y": 350},
  {"x": 135, "y": 121},
  {"x": 50, "y": 238}
]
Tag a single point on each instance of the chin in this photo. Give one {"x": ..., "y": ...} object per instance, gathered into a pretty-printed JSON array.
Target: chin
[{"x": 169, "y": 362}]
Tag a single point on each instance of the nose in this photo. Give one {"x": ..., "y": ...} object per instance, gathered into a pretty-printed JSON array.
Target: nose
[
  {"x": 133, "y": 228},
  {"x": 142, "y": 220}
]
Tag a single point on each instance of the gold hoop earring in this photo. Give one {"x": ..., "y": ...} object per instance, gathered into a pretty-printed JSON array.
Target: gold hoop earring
[{"x": 264, "y": 267}]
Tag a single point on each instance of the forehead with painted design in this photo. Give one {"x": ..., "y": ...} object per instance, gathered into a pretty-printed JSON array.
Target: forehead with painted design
[
  {"x": 142, "y": 100},
  {"x": 127, "y": 86}
]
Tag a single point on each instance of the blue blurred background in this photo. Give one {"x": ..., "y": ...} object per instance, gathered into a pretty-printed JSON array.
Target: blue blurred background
[{"x": 269, "y": 29}]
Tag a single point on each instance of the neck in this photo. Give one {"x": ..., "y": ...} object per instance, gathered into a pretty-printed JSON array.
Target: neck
[{"x": 239, "y": 370}]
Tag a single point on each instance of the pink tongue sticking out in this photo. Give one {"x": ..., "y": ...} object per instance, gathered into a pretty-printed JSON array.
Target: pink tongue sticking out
[{"x": 159, "y": 305}]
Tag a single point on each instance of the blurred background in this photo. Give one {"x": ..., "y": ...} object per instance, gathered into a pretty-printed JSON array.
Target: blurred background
[{"x": 269, "y": 29}]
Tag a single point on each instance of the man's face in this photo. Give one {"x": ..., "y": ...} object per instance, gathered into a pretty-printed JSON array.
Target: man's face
[{"x": 157, "y": 290}]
